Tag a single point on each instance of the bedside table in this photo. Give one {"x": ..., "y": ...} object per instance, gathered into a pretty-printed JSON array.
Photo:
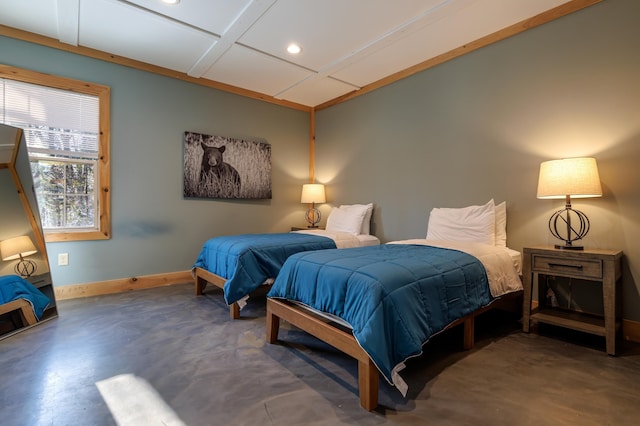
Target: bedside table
[
  {"x": 602, "y": 266},
  {"x": 304, "y": 228}
]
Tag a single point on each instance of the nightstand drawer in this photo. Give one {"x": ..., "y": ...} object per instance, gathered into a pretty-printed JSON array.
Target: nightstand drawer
[{"x": 578, "y": 268}]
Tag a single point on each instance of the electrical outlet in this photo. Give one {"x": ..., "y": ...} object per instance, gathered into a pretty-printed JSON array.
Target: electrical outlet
[{"x": 63, "y": 259}]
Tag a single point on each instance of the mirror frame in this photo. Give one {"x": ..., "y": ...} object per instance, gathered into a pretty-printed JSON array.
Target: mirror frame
[{"x": 20, "y": 172}]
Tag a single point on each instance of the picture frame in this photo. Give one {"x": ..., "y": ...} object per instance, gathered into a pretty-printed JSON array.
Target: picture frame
[{"x": 220, "y": 167}]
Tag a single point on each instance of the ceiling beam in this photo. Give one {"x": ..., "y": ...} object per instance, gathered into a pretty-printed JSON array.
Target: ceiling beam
[
  {"x": 68, "y": 21},
  {"x": 232, "y": 34}
]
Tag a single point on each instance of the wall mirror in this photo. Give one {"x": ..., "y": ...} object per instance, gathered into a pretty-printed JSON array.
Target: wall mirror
[{"x": 26, "y": 289}]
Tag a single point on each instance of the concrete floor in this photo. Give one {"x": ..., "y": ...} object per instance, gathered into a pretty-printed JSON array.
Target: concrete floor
[{"x": 165, "y": 356}]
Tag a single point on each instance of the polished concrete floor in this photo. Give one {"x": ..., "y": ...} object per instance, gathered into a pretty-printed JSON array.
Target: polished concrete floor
[{"x": 166, "y": 357}]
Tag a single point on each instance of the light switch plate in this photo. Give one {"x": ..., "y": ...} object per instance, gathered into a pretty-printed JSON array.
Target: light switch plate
[{"x": 63, "y": 259}]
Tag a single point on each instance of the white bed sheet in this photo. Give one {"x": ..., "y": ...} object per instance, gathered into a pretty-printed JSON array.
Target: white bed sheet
[{"x": 344, "y": 239}]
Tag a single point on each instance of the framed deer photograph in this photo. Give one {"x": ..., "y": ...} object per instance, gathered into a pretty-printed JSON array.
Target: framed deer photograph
[{"x": 223, "y": 167}]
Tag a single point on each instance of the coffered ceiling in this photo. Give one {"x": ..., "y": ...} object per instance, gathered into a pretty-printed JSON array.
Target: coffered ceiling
[{"x": 346, "y": 45}]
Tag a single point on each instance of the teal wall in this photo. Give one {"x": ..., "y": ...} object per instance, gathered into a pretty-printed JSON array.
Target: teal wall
[
  {"x": 155, "y": 229},
  {"x": 479, "y": 126}
]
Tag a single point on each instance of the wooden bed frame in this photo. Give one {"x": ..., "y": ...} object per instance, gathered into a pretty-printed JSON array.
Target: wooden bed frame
[
  {"x": 24, "y": 309},
  {"x": 368, "y": 376},
  {"x": 202, "y": 277}
]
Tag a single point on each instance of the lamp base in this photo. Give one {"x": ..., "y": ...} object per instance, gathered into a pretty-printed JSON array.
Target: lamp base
[
  {"x": 312, "y": 226},
  {"x": 573, "y": 233},
  {"x": 565, "y": 247},
  {"x": 25, "y": 267},
  {"x": 313, "y": 217}
]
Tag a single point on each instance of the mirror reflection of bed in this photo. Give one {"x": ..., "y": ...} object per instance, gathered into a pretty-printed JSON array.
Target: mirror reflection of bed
[{"x": 26, "y": 289}]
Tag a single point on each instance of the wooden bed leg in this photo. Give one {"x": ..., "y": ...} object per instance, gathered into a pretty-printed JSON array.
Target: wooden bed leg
[
  {"x": 368, "y": 381},
  {"x": 234, "y": 311},
  {"x": 200, "y": 285},
  {"x": 469, "y": 333},
  {"x": 24, "y": 309},
  {"x": 273, "y": 326},
  {"x": 368, "y": 376}
]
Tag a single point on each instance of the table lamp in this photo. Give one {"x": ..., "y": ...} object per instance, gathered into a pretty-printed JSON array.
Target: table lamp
[
  {"x": 313, "y": 193},
  {"x": 19, "y": 247},
  {"x": 566, "y": 178}
]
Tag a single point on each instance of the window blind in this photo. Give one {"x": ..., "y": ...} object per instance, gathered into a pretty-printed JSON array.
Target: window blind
[{"x": 63, "y": 121}]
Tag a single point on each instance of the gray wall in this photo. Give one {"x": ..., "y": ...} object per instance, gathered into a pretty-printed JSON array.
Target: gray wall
[
  {"x": 156, "y": 230},
  {"x": 470, "y": 129},
  {"x": 478, "y": 127}
]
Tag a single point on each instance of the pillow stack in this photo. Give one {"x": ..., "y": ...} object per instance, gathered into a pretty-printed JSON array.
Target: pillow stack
[
  {"x": 486, "y": 224},
  {"x": 354, "y": 219}
]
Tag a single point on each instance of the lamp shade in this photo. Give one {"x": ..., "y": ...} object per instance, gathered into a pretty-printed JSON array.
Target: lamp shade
[
  {"x": 17, "y": 247},
  {"x": 577, "y": 177},
  {"x": 313, "y": 193}
]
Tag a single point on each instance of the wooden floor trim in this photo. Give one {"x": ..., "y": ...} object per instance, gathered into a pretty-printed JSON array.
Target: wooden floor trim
[{"x": 121, "y": 285}]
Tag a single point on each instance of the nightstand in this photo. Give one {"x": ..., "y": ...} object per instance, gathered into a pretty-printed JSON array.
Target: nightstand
[
  {"x": 595, "y": 265},
  {"x": 304, "y": 228}
]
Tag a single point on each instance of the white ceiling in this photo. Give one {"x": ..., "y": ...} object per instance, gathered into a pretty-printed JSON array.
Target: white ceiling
[{"x": 347, "y": 44}]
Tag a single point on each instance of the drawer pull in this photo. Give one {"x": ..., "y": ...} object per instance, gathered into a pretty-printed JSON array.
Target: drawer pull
[{"x": 562, "y": 265}]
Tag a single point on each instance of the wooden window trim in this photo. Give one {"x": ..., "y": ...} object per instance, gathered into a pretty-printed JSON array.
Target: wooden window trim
[{"x": 104, "y": 192}]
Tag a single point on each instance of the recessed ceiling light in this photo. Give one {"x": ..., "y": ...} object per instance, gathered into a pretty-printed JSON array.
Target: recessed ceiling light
[
  {"x": 170, "y": 1},
  {"x": 294, "y": 48}
]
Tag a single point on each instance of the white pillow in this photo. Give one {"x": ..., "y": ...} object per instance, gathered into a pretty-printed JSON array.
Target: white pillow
[
  {"x": 470, "y": 224},
  {"x": 366, "y": 222},
  {"x": 346, "y": 220},
  {"x": 501, "y": 224}
]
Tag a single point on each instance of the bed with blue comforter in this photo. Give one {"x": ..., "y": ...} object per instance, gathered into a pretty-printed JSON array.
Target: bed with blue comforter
[
  {"x": 245, "y": 262},
  {"x": 13, "y": 287},
  {"x": 240, "y": 264},
  {"x": 393, "y": 297}
]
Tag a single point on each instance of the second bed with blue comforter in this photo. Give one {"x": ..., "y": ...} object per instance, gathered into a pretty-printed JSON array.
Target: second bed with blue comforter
[
  {"x": 394, "y": 297},
  {"x": 247, "y": 261}
]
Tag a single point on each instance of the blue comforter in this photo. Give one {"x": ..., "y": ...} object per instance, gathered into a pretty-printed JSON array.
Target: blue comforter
[
  {"x": 13, "y": 287},
  {"x": 246, "y": 261},
  {"x": 395, "y": 297}
]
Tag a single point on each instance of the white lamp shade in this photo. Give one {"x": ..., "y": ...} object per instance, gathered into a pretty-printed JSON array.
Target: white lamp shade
[
  {"x": 313, "y": 193},
  {"x": 577, "y": 177},
  {"x": 13, "y": 248}
]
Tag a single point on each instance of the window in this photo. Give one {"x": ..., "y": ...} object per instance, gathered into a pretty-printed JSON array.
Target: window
[{"x": 66, "y": 124}]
